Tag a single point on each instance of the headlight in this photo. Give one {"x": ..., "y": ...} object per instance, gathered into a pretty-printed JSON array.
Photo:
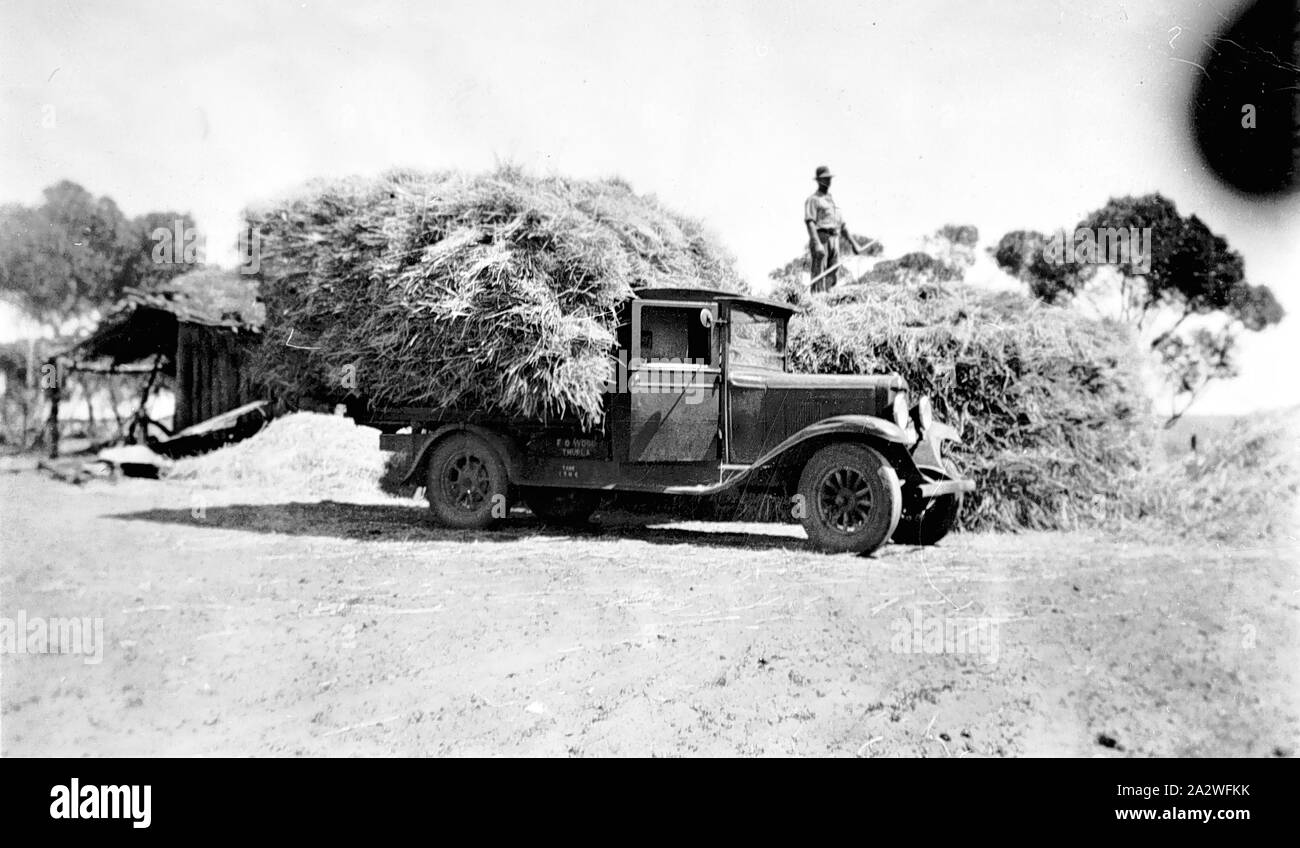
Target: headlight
[
  {"x": 924, "y": 413},
  {"x": 900, "y": 410}
]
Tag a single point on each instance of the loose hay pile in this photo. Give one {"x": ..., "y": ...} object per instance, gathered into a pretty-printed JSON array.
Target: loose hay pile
[
  {"x": 489, "y": 294},
  {"x": 1244, "y": 484},
  {"x": 1051, "y": 406},
  {"x": 303, "y": 454}
]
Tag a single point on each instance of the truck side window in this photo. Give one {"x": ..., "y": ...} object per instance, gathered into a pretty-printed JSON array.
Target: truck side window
[
  {"x": 757, "y": 339},
  {"x": 675, "y": 334}
]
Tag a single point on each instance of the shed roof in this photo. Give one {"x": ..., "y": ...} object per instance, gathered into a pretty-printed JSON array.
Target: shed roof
[
  {"x": 144, "y": 323},
  {"x": 206, "y": 296}
]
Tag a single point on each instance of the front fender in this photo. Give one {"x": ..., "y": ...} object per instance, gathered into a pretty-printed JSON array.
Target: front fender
[
  {"x": 928, "y": 452},
  {"x": 857, "y": 426},
  {"x": 862, "y": 425},
  {"x": 507, "y": 451}
]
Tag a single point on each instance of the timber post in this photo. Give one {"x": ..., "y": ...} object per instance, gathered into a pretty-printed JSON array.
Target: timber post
[{"x": 53, "y": 391}]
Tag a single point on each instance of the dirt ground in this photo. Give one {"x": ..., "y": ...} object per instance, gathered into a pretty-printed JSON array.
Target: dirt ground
[{"x": 249, "y": 623}]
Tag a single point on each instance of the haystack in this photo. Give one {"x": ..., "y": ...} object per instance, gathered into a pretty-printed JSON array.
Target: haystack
[
  {"x": 489, "y": 294},
  {"x": 302, "y": 454},
  {"x": 1051, "y": 406},
  {"x": 1243, "y": 485}
]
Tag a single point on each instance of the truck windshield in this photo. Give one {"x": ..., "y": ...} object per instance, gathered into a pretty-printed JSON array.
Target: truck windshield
[{"x": 757, "y": 340}]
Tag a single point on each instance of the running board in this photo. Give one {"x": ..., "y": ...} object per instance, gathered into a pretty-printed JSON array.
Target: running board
[{"x": 727, "y": 475}]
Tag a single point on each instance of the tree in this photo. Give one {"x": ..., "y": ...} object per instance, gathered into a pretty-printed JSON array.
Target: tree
[
  {"x": 148, "y": 267},
  {"x": 952, "y": 249},
  {"x": 1023, "y": 254},
  {"x": 1188, "y": 273},
  {"x": 790, "y": 281},
  {"x": 74, "y": 254},
  {"x": 946, "y": 256},
  {"x": 912, "y": 268},
  {"x": 62, "y": 259}
]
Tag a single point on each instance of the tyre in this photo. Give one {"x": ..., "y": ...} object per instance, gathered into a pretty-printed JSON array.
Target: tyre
[
  {"x": 466, "y": 483},
  {"x": 851, "y": 499},
  {"x": 554, "y": 505},
  {"x": 937, "y": 515}
]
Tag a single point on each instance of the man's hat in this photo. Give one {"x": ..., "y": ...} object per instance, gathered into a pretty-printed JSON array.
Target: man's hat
[{"x": 823, "y": 173}]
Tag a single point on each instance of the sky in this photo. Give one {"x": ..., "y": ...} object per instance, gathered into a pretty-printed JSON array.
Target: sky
[{"x": 1002, "y": 115}]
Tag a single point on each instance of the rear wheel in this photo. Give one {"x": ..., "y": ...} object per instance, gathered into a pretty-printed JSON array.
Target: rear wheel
[
  {"x": 466, "y": 483},
  {"x": 555, "y": 505},
  {"x": 851, "y": 499},
  {"x": 937, "y": 516}
]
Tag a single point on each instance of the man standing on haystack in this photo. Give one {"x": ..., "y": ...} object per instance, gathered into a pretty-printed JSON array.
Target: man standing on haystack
[{"x": 825, "y": 226}]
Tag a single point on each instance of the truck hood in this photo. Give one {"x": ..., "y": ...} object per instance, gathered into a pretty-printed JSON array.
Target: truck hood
[{"x": 770, "y": 406}]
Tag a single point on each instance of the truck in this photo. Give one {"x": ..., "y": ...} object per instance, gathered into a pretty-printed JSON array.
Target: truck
[{"x": 700, "y": 399}]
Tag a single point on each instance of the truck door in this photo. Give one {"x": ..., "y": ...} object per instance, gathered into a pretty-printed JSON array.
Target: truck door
[{"x": 674, "y": 383}]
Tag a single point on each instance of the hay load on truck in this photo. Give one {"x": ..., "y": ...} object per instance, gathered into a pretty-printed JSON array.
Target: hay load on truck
[{"x": 555, "y": 340}]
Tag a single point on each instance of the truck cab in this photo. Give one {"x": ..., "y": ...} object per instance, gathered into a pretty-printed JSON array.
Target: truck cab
[{"x": 699, "y": 398}]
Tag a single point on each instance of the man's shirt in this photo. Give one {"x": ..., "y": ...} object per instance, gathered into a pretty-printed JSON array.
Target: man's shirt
[{"x": 822, "y": 211}]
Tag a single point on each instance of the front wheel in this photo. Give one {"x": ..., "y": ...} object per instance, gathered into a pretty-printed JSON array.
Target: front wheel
[
  {"x": 851, "y": 499},
  {"x": 466, "y": 483},
  {"x": 936, "y": 516}
]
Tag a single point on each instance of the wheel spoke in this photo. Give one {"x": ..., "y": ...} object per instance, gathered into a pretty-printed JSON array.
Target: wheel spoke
[
  {"x": 844, "y": 499},
  {"x": 466, "y": 481}
]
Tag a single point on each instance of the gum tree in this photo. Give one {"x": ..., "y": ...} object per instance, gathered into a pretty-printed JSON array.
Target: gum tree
[
  {"x": 1190, "y": 303},
  {"x": 74, "y": 254},
  {"x": 67, "y": 259}
]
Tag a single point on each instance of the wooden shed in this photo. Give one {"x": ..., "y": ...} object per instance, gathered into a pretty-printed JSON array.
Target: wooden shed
[
  {"x": 200, "y": 330},
  {"x": 211, "y": 372}
]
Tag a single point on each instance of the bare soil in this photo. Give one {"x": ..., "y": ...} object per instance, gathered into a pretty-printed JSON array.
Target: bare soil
[{"x": 244, "y": 622}]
